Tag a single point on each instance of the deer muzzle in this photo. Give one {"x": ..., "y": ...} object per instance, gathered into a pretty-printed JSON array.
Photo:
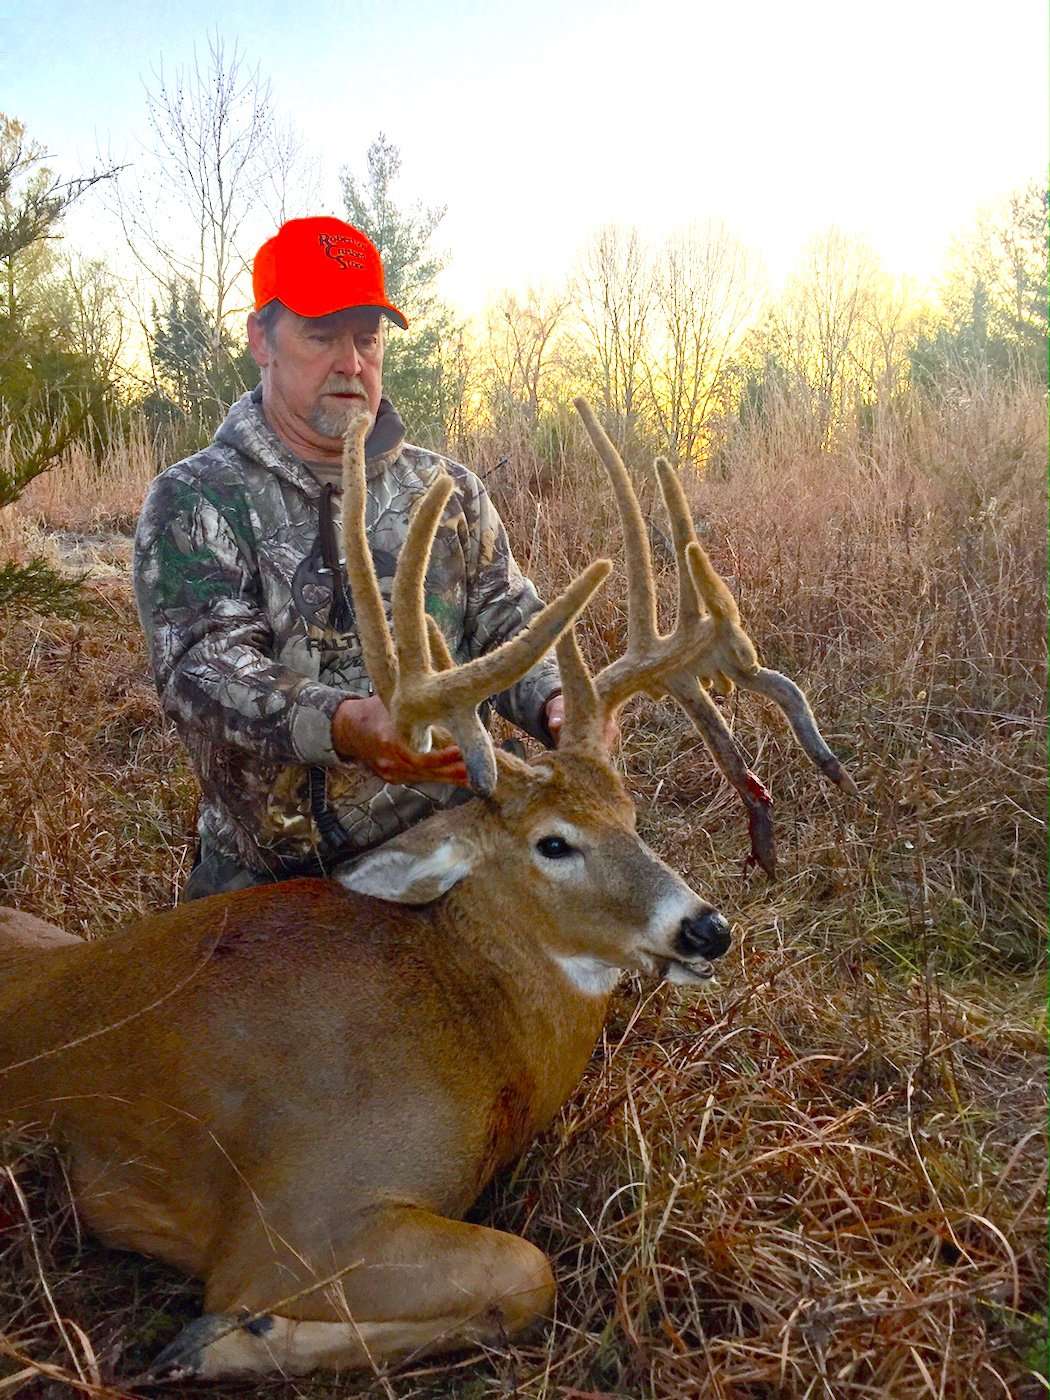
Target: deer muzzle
[{"x": 705, "y": 935}]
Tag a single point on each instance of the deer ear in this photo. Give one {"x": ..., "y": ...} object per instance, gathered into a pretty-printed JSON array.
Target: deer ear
[{"x": 416, "y": 867}]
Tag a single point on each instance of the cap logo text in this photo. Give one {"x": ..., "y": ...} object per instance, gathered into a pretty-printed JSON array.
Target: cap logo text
[{"x": 347, "y": 252}]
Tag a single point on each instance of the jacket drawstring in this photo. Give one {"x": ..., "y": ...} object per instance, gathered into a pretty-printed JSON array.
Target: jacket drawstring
[{"x": 334, "y": 836}]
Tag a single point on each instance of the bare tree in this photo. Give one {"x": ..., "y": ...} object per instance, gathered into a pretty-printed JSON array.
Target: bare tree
[
  {"x": 216, "y": 159},
  {"x": 32, "y": 198},
  {"x": 890, "y": 320},
  {"x": 89, "y": 303},
  {"x": 290, "y": 185},
  {"x": 519, "y": 343},
  {"x": 704, "y": 295},
  {"x": 33, "y": 202},
  {"x": 457, "y": 394},
  {"x": 615, "y": 293},
  {"x": 816, "y": 330}
]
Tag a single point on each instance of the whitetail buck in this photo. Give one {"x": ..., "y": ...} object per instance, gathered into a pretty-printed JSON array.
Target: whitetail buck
[{"x": 296, "y": 1091}]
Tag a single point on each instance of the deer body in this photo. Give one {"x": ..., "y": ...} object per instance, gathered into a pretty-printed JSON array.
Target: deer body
[
  {"x": 436, "y": 1040},
  {"x": 175, "y": 1117},
  {"x": 296, "y": 1091}
]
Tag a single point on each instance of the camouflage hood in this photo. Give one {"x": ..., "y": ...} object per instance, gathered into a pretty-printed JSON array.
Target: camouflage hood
[
  {"x": 246, "y": 430},
  {"x": 238, "y": 610}
]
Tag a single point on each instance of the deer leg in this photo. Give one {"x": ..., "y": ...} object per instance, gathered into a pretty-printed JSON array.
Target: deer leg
[
  {"x": 26, "y": 933},
  {"x": 417, "y": 1284}
]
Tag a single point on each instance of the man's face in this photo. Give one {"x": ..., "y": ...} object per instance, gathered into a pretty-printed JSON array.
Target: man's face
[{"x": 317, "y": 372}]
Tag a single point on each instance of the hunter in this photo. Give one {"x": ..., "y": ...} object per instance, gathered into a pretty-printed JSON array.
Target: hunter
[{"x": 240, "y": 588}]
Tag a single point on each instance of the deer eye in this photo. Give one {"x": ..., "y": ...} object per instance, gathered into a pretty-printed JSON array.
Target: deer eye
[{"x": 555, "y": 847}]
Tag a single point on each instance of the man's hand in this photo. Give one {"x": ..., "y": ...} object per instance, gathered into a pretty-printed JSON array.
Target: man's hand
[
  {"x": 362, "y": 730},
  {"x": 555, "y": 715}
]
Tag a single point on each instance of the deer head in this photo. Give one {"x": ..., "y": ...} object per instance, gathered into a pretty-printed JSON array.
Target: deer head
[
  {"x": 557, "y": 836},
  {"x": 554, "y": 837}
]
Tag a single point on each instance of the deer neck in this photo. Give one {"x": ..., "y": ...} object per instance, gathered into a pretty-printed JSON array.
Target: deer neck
[{"x": 546, "y": 1014}]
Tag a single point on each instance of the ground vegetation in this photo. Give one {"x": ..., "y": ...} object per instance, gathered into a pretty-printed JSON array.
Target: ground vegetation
[{"x": 827, "y": 1178}]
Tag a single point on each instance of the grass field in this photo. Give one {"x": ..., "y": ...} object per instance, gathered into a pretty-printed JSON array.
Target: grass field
[{"x": 827, "y": 1177}]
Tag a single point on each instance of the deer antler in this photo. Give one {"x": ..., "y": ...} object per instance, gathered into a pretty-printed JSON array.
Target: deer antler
[
  {"x": 707, "y": 648},
  {"x": 413, "y": 671}
]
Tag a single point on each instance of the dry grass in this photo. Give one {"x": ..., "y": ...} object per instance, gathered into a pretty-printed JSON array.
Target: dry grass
[
  {"x": 90, "y": 493},
  {"x": 826, "y": 1178}
]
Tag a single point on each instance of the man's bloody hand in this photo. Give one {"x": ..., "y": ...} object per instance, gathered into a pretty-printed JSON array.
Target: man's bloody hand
[{"x": 362, "y": 730}]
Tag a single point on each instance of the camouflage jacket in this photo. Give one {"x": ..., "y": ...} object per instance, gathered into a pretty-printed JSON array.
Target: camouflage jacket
[{"x": 236, "y": 605}]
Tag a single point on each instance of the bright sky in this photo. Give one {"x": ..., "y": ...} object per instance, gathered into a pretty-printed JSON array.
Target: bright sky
[{"x": 538, "y": 122}]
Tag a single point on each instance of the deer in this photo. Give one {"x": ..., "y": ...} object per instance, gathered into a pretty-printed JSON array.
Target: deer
[{"x": 296, "y": 1092}]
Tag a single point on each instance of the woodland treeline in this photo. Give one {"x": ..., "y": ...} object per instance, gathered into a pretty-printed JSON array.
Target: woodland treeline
[{"x": 678, "y": 345}]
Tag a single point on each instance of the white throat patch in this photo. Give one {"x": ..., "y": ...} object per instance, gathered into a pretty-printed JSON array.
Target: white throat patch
[{"x": 588, "y": 975}]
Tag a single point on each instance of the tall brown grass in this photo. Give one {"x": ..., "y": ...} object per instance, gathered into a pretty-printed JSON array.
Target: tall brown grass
[
  {"x": 828, "y": 1177},
  {"x": 96, "y": 490}
]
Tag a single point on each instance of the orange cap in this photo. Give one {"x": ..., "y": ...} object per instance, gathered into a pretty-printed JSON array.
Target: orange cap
[{"x": 317, "y": 266}]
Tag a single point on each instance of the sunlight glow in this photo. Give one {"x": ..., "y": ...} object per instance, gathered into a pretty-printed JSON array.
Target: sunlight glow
[{"x": 537, "y": 125}]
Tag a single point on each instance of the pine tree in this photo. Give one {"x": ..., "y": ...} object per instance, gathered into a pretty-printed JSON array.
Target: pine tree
[
  {"x": 414, "y": 370},
  {"x": 198, "y": 368},
  {"x": 46, "y": 390}
]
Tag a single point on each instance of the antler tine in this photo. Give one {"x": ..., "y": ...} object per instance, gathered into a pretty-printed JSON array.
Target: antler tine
[
  {"x": 450, "y": 698},
  {"x": 408, "y": 605},
  {"x": 440, "y": 656},
  {"x": 641, "y": 594},
  {"x": 377, "y": 646},
  {"x": 732, "y": 658},
  {"x": 646, "y": 649},
  {"x": 583, "y": 715},
  {"x": 789, "y": 698},
  {"x": 476, "y": 680},
  {"x": 683, "y": 534},
  {"x": 711, "y": 586},
  {"x": 737, "y": 661}
]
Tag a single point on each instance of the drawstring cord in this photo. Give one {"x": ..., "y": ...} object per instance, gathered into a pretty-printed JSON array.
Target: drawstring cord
[{"x": 334, "y": 835}]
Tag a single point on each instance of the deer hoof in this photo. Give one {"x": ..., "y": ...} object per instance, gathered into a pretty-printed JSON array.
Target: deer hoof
[{"x": 185, "y": 1358}]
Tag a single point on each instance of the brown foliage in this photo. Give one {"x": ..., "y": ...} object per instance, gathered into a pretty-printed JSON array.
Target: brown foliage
[{"x": 827, "y": 1177}]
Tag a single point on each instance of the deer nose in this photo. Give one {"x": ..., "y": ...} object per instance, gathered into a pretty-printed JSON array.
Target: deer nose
[{"x": 705, "y": 935}]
